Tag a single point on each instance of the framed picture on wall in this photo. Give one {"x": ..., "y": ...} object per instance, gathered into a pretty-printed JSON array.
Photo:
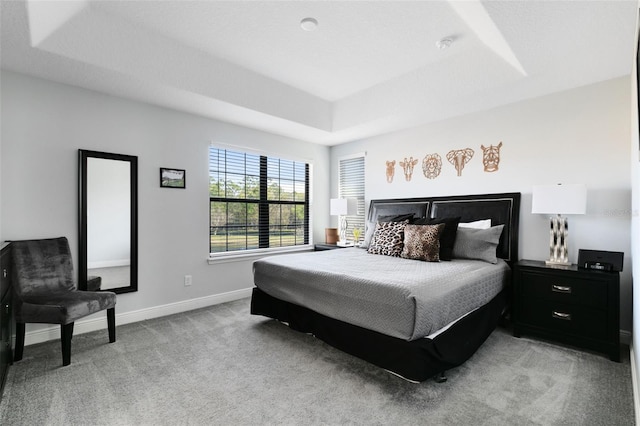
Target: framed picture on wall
[{"x": 172, "y": 178}]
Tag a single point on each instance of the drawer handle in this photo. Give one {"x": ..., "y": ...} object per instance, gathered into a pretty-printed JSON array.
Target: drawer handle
[
  {"x": 561, "y": 288},
  {"x": 561, "y": 315},
  {"x": 4, "y": 273}
]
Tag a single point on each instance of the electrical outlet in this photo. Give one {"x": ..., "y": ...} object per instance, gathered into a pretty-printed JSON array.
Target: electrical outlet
[{"x": 187, "y": 280}]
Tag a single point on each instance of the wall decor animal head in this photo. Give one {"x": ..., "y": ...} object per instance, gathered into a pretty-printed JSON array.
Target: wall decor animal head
[
  {"x": 431, "y": 166},
  {"x": 491, "y": 157},
  {"x": 460, "y": 157},
  {"x": 407, "y": 167},
  {"x": 391, "y": 170}
]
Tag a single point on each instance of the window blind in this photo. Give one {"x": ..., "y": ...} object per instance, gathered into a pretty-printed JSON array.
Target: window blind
[
  {"x": 256, "y": 201},
  {"x": 351, "y": 185}
]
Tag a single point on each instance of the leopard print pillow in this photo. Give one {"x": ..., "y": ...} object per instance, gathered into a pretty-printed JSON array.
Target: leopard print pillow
[
  {"x": 388, "y": 238},
  {"x": 422, "y": 242}
]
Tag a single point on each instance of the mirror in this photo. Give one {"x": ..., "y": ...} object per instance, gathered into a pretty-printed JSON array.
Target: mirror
[{"x": 108, "y": 222}]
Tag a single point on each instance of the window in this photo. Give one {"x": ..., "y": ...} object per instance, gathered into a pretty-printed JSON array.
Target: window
[
  {"x": 351, "y": 185},
  {"x": 256, "y": 201}
]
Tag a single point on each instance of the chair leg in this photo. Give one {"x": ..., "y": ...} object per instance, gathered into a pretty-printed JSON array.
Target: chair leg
[
  {"x": 111, "y": 324},
  {"x": 20, "y": 328},
  {"x": 66, "y": 332}
]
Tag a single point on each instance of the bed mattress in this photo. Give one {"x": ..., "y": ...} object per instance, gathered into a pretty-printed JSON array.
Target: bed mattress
[{"x": 403, "y": 298}]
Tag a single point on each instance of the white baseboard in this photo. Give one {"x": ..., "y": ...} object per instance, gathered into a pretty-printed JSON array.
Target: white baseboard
[
  {"x": 94, "y": 323},
  {"x": 634, "y": 381}
]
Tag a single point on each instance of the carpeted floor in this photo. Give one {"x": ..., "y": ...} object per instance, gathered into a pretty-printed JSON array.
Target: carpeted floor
[{"x": 222, "y": 366}]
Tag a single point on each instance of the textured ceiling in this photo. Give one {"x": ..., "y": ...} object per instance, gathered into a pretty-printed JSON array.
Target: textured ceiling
[{"x": 369, "y": 67}]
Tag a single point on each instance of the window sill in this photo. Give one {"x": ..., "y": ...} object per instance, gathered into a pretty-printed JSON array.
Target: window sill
[{"x": 254, "y": 254}]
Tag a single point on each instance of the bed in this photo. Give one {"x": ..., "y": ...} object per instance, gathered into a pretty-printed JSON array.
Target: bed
[{"x": 406, "y": 316}]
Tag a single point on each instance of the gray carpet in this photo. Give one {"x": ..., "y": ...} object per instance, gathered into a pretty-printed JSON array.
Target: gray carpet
[{"x": 222, "y": 366}]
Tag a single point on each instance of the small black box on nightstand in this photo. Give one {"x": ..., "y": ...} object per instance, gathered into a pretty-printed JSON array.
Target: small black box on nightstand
[{"x": 610, "y": 261}]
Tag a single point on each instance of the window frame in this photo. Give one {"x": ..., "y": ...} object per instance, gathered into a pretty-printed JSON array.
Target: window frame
[{"x": 264, "y": 203}]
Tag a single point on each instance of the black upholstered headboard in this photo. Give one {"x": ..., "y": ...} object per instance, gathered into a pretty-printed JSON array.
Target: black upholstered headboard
[{"x": 502, "y": 209}]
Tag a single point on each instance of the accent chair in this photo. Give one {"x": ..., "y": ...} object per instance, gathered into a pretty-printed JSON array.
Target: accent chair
[{"x": 45, "y": 291}]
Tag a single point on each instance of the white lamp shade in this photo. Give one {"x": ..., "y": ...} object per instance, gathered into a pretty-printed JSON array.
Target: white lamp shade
[
  {"x": 559, "y": 199},
  {"x": 344, "y": 206}
]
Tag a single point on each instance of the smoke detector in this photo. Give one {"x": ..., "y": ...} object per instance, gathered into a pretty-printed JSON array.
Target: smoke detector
[
  {"x": 309, "y": 24},
  {"x": 444, "y": 43}
]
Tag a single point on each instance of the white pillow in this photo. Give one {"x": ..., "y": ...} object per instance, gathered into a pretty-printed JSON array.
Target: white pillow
[{"x": 478, "y": 224}]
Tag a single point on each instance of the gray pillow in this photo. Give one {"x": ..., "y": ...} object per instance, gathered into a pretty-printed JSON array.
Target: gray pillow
[{"x": 478, "y": 244}]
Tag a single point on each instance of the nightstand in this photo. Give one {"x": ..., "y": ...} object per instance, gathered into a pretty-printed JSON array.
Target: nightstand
[
  {"x": 570, "y": 305},
  {"x": 325, "y": 246}
]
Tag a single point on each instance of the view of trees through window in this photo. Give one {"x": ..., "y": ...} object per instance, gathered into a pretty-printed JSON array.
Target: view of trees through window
[{"x": 256, "y": 201}]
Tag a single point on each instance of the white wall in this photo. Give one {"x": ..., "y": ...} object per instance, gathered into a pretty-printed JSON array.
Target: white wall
[
  {"x": 43, "y": 126},
  {"x": 577, "y": 136}
]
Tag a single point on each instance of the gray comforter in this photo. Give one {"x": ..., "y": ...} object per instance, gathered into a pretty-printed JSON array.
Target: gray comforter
[{"x": 403, "y": 298}]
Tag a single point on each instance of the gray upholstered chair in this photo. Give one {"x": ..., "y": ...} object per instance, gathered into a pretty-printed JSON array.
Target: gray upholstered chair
[{"x": 45, "y": 292}]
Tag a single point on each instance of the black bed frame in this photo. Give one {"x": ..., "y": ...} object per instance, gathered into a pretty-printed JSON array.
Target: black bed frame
[{"x": 420, "y": 359}]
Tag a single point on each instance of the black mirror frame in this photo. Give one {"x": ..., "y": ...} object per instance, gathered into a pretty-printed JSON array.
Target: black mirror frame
[{"x": 83, "y": 155}]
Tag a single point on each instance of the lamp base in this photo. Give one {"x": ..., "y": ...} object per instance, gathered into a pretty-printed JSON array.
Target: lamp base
[
  {"x": 343, "y": 229},
  {"x": 344, "y": 244},
  {"x": 558, "y": 241},
  {"x": 557, "y": 263}
]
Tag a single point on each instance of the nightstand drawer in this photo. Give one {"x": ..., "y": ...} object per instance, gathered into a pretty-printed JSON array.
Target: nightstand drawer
[
  {"x": 591, "y": 323},
  {"x": 564, "y": 289}
]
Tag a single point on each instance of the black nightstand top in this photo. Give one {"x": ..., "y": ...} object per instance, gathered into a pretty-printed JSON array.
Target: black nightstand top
[
  {"x": 542, "y": 264},
  {"x": 573, "y": 267}
]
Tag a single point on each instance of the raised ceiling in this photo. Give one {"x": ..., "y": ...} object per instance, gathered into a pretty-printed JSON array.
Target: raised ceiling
[{"x": 368, "y": 68}]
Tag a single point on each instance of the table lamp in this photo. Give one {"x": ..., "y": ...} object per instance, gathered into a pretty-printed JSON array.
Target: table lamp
[
  {"x": 557, "y": 200},
  {"x": 343, "y": 207}
]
